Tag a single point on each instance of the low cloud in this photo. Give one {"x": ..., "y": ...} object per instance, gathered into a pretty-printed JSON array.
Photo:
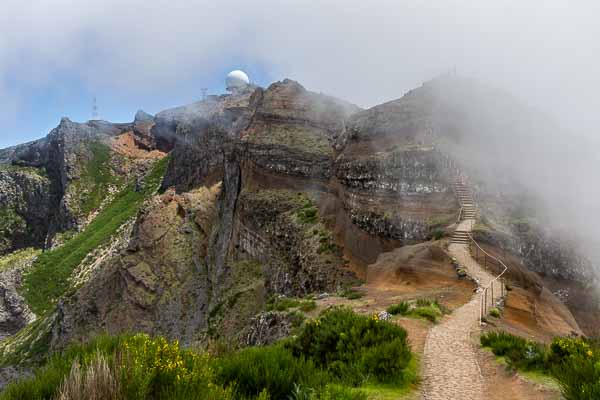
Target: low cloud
[{"x": 547, "y": 53}]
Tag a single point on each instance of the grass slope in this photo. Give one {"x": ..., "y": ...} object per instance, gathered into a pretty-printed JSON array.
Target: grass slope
[{"x": 48, "y": 279}]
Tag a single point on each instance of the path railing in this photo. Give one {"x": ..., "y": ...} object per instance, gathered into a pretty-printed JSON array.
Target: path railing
[
  {"x": 488, "y": 262},
  {"x": 476, "y": 250}
]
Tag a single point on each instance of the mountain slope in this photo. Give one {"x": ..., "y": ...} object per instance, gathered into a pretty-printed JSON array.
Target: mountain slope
[{"x": 268, "y": 193}]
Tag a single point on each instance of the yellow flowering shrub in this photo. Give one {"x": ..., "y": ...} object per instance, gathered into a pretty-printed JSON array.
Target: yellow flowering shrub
[{"x": 156, "y": 368}]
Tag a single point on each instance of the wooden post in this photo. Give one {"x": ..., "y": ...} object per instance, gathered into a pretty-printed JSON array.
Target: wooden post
[{"x": 485, "y": 302}]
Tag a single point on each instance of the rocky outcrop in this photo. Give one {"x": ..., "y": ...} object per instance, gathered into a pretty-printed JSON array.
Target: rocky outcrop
[
  {"x": 157, "y": 282},
  {"x": 546, "y": 253},
  {"x": 283, "y": 230},
  {"x": 53, "y": 184},
  {"x": 25, "y": 207},
  {"x": 268, "y": 192},
  {"x": 14, "y": 312}
]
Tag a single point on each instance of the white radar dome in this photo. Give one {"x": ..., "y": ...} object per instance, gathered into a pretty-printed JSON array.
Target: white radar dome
[{"x": 236, "y": 80}]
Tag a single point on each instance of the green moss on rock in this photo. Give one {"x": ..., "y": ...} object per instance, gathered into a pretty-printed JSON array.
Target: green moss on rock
[
  {"x": 50, "y": 276},
  {"x": 304, "y": 138}
]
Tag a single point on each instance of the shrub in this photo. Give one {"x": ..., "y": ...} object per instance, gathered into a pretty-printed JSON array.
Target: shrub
[
  {"x": 272, "y": 369},
  {"x": 46, "y": 379},
  {"x": 354, "y": 295},
  {"x": 573, "y": 362},
  {"x": 579, "y": 377},
  {"x": 296, "y": 318},
  {"x": 519, "y": 352},
  {"x": 495, "y": 312},
  {"x": 438, "y": 234},
  {"x": 431, "y": 313},
  {"x": 155, "y": 368},
  {"x": 308, "y": 305},
  {"x": 282, "y": 303},
  {"x": 426, "y": 302},
  {"x": 97, "y": 382},
  {"x": 401, "y": 308},
  {"x": 351, "y": 294},
  {"x": 354, "y": 347},
  {"x": 122, "y": 367},
  {"x": 308, "y": 213}
]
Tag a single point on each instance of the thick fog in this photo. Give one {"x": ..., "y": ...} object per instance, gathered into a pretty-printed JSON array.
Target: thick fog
[{"x": 544, "y": 53}]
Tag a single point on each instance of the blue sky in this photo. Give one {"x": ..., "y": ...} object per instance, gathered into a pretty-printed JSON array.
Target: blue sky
[
  {"x": 55, "y": 56},
  {"x": 43, "y": 106}
]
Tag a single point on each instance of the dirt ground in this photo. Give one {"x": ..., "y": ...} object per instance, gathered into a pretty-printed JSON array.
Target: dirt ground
[
  {"x": 125, "y": 144},
  {"x": 424, "y": 271},
  {"x": 504, "y": 384}
]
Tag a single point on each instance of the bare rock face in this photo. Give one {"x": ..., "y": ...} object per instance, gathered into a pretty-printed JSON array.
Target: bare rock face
[
  {"x": 25, "y": 207},
  {"x": 42, "y": 186},
  {"x": 14, "y": 312},
  {"x": 157, "y": 283},
  {"x": 268, "y": 192},
  {"x": 280, "y": 228}
]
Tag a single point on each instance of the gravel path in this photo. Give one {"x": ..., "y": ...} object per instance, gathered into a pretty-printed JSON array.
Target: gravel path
[{"x": 450, "y": 368}]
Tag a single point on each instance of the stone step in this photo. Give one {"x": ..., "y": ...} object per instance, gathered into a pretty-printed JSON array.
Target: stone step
[{"x": 466, "y": 242}]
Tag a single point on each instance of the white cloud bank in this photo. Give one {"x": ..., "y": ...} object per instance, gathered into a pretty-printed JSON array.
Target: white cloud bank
[{"x": 367, "y": 52}]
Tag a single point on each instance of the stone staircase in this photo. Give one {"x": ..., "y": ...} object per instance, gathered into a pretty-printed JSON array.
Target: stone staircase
[{"x": 469, "y": 211}]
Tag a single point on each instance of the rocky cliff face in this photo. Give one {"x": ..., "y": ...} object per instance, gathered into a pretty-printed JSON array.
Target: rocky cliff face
[
  {"x": 25, "y": 207},
  {"x": 57, "y": 183},
  {"x": 156, "y": 280},
  {"x": 268, "y": 192}
]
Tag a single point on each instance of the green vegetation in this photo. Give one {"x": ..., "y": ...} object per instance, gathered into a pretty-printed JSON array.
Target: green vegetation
[
  {"x": 127, "y": 367},
  {"x": 355, "y": 348},
  {"x": 285, "y": 303},
  {"x": 333, "y": 357},
  {"x": 440, "y": 221},
  {"x": 495, "y": 312},
  {"x": 308, "y": 213},
  {"x": 29, "y": 345},
  {"x": 401, "y": 308},
  {"x": 49, "y": 276},
  {"x": 17, "y": 257},
  {"x": 297, "y": 137},
  {"x": 96, "y": 177},
  {"x": 438, "y": 234},
  {"x": 10, "y": 222},
  {"x": 422, "y": 308},
  {"x": 519, "y": 353},
  {"x": 573, "y": 362},
  {"x": 272, "y": 368},
  {"x": 351, "y": 294}
]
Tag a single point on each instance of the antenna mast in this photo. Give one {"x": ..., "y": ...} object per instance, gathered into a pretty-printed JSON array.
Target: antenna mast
[
  {"x": 95, "y": 109},
  {"x": 204, "y": 90}
]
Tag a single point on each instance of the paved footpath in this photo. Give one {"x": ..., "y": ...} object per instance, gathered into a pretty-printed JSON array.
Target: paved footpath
[{"x": 450, "y": 369}]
